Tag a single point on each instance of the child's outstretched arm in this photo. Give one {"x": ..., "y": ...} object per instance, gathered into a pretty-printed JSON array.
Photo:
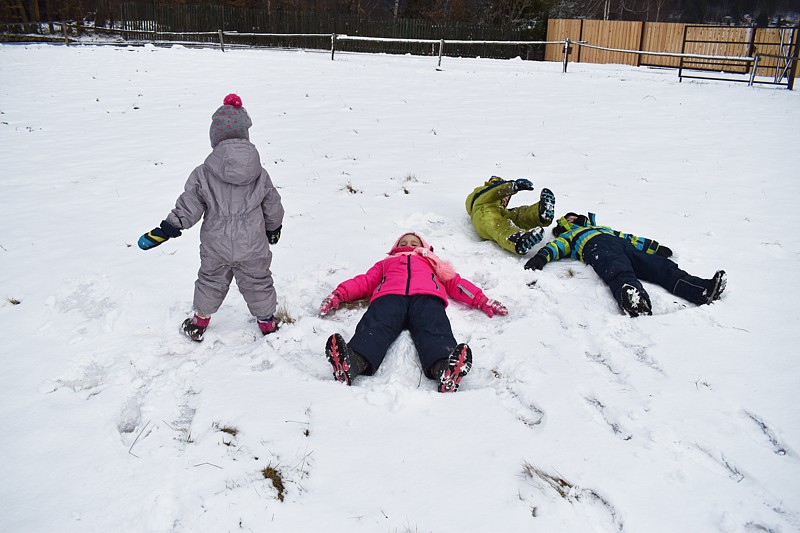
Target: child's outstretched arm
[
  {"x": 648, "y": 246},
  {"x": 352, "y": 289},
  {"x": 189, "y": 208},
  {"x": 467, "y": 292},
  {"x": 552, "y": 251}
]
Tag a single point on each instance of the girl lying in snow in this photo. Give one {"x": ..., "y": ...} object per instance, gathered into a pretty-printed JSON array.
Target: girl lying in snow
[
  {"x": 620, "y": 259},
  {"x": 407, "y": 290}
]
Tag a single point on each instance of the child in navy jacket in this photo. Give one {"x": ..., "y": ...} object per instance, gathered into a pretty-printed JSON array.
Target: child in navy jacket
[{"x": 621, "y": 259}]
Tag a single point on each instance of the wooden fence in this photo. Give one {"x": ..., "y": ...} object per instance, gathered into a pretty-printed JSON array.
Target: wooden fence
[
  {"x": 303, "y": 25},
  {"x": 671, "y": 38}
]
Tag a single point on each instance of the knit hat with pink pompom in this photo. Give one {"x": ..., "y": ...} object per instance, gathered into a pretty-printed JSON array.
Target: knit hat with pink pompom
[{"x": 230, "y": 121}]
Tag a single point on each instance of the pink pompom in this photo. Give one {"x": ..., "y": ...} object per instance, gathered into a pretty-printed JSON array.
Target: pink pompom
[{"x": 233, "y": 99}]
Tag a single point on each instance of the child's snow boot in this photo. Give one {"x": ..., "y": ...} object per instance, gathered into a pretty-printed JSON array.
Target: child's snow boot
[
  {"x": 547, "y": 206},
  {"x": 455, "y": 368},
  {"x": 267, "y": 325},
  {"x": 195, "y": 327},
  {"x": 525, "y": 240},
  {"x": 346, "y": 363},
  {"x": 718, "y": 283},
  {"x": 634, "y": 302}
]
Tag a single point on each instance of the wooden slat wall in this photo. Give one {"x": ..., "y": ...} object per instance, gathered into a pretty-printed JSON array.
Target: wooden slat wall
[
  {"x": 663, "y": 37},
  {"x": 729, "y": 41},
  {"x": 559, "y": 30},
  {"x": 768, "y": 41},
  {"x": 611, "y": 34}
]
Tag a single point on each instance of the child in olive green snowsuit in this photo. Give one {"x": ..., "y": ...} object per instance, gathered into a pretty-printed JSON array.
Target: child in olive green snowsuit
[{"x": 517, "y": 229}]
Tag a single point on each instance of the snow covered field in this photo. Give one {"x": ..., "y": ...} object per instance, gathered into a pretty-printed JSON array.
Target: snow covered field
[{"x": 574, "y": 418}]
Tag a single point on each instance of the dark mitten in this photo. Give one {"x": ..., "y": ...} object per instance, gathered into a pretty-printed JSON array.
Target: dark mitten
[
  {"x": 663, "y": 251},
  {"x": 153, "y": 238},
  {"x": 273, "y": 236},
  {"x": 525, "y": 240},
  {"x": 523, "y": 185},
  {"x": 537, "y": 262}
]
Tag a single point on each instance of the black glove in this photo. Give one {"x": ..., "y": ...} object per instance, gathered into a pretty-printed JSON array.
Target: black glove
[
  {"x": 663, "y": 251},
  {"x": 273, "y": 236},
  {"x": 153, "y": 238},
  {"x": 523, "y": 185},
  {"x": 537, "y": 262},
  {"x": 525, "y": 240}
]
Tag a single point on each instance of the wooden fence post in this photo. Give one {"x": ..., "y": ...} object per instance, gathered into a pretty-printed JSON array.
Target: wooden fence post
[
  {"x": 333, "y": 44},
  {"x": 566, "y": 53},
  {"x": 441, "y": 48},
  {"x": 64, "y": 29},
  {"x": 221, "y": 42},
  {"x": 641, "y": 45}
]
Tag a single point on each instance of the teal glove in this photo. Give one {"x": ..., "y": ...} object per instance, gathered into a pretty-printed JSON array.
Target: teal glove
[{"x": 153, "y": 238}]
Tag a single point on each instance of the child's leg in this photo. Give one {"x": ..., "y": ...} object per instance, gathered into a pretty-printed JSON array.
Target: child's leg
[
  {"x": 431, "y": 332},
  {"x": 538, "y": 215},
  {"x": 213, "y": 281},
  {"x": 491, "y": 224},
  {"x": 378, "y": 328},
  {"x": 667, "y": 274},
  {"x": 254, "y": 280},
  {"x": 607, "y": 255}
]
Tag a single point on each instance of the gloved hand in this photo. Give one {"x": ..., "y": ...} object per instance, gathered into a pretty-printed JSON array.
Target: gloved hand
[
  {"x": 537, "y": 262},
  {"x": 273, "y": 236},
  {"x": 663, "y": 251},
  {"x": 153, "y": 238},
  {"x": 491, "y": 307},
  {"x": 523, "y": 184},
  {"x": 525, "y": 240},
  {"x": 330, "y": 304}
]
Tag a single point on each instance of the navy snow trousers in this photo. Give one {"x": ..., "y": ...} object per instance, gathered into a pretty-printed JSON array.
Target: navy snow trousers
[
  {"x": 386, "y": 317},
  {"x": 618, "y": 262}
]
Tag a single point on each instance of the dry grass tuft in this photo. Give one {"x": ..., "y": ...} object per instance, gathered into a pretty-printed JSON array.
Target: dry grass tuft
[
  {"x": 283, "y": 316},
  {"x": 230, "y": 430},
  {"x": 277, "y": 481},
  {"x": 351, "y": 189}
]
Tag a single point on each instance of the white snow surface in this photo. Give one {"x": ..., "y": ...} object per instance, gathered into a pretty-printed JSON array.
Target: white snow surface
[{"x": 113, "y": 421}]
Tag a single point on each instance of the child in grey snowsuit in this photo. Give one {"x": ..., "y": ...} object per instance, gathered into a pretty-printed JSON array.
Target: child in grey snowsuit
[
  {"x": 242, "y": 215},
  {"x": 621, "y": 260}
]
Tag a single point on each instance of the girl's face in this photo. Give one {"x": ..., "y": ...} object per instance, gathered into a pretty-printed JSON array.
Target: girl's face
[{"x": 409, "y": 239}]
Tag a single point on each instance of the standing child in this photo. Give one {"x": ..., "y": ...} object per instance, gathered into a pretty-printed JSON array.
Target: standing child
[
  {"x": 407, "y": 290},
  {"x": 621, "y": 259},
  {"x": 517, "y": 229},
  {"x": 242, "y": 215}
]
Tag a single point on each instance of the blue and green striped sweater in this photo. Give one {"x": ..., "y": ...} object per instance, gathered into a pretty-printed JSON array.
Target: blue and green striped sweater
[{"x": 574, "y": 237}]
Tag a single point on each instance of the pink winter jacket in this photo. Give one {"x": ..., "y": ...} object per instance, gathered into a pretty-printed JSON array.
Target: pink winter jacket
[{"x": 407, "y": 274}]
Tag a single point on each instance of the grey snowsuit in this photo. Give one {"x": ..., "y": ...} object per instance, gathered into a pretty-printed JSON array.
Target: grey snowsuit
[{"x": 239, "y": 204}]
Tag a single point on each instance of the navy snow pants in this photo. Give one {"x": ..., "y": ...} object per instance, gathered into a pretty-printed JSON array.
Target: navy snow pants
[
  {"x": 386, "y": 317},
  {"x": 618, "y": 262}
]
